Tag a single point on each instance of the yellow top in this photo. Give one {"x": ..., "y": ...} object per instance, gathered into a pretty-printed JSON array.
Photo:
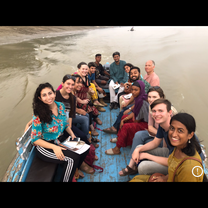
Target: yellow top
[{"x": 189, "y": 171}]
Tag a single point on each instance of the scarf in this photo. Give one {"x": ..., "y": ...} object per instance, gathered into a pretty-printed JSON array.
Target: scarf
[{"x": 142, "y": 96}]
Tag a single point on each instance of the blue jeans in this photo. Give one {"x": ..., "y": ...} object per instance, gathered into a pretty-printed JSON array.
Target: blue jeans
[
  {"x": 118, "y": 120},
  {"x": 82, "y": 122},
  {"x": 141, "y": 138}
]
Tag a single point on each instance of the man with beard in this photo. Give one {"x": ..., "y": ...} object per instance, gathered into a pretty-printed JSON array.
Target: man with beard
[{"x": 134, "y": 75}]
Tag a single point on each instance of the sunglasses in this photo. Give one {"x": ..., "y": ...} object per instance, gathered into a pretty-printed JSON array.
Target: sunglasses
[{"x": 71, "y": 77}]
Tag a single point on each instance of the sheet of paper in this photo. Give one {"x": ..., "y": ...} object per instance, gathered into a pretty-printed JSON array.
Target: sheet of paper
[
  {"x": 115, "y": 86},
  {"x": 128, "y": 96},
  {"x": 75, "y": 146}
]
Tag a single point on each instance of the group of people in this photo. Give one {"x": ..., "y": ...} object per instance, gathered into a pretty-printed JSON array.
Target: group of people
[{"x": 163, "y": 141}]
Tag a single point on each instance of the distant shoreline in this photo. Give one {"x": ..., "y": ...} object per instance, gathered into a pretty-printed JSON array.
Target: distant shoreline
[{"x": 15, "y": 34}]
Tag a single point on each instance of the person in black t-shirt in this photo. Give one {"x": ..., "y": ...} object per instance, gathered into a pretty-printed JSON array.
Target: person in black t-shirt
[{"x": 101, "y": 75}]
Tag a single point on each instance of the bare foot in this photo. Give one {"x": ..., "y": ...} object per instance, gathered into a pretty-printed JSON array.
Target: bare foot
[{"x": 86, "y": 168}]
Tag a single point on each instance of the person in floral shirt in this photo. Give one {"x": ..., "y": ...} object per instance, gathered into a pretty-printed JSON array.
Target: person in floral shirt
[{"x": 48, "y": 125}]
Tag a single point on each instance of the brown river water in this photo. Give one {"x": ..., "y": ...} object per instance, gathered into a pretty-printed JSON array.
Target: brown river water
[{"x": 180, "y": 54}]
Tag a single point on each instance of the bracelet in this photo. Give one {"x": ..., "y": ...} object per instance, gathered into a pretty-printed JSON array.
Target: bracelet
[{"x": 126, "y": 118}]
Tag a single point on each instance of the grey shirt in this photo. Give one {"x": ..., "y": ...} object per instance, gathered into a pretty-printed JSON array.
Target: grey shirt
[{"x": 144, "y": 112}]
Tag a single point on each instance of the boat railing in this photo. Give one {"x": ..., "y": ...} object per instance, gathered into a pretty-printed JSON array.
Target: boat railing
[{"x": 24, "y": 145}]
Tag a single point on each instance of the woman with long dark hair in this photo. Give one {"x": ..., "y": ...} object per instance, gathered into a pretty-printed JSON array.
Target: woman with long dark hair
[
  {"x": 184, "y": 163},
  {"x": 48, "y": 125}
]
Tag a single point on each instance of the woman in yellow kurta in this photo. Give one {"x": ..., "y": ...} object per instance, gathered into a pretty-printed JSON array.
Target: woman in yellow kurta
[{"x": 181, "y": 135}]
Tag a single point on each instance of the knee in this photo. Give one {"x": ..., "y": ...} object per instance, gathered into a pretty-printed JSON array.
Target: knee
[
  {"x": 85, "y": 119},
  {"x": 87, "y": 115},
  {"x": 142, "y": 168},
  {"x": 140, "y": 134}
]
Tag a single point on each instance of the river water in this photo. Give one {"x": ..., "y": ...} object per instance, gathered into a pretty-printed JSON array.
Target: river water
[{"x": 180, "y": 54}]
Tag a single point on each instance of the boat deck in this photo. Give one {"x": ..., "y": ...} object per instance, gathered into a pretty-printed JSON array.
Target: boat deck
[
  {"x": 111, "y": 164},
  {"x": 19, "y": 167}
]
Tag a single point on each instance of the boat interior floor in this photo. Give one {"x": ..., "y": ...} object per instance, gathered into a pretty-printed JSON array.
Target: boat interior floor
[{"x": 111, "y": 164}]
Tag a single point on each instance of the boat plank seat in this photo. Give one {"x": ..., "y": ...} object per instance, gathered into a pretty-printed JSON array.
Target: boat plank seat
[{"x": 41, "y": 171}]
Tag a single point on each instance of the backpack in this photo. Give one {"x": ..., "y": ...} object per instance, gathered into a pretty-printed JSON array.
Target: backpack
[{"x": 90, "y": 158}]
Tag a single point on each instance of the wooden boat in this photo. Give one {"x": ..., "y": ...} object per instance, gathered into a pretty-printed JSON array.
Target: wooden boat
[{"x": 26, "y": 166}]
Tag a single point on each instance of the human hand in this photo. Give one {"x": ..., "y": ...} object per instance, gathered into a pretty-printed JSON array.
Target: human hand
[
  {"x": 151, "y": 133},
  {"x": 159, "y": 179},
  {"x": 121, "y": 124},
  {"x": 136, "y": 156},
  {"x": 58, "y": 152},
  {"x": 85, "y": 101},
  {"x": 73, "y": 136},
  {"x": 121, "y": 84},
  {"x": 126, "y": 111},
  {"x": 82, "y": 112}
]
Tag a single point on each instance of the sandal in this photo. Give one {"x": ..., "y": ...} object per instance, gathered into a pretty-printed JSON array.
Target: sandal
[
  {"x": 86, "y": 168},
  {"x": 110, "y": 152},
  {"x": 114, "y": 140},
  {"x": 130, "y": 171},
  {"x": 98, "y": 104},
  {"x": 110, "y": 131},
  {"x": 98, "y": 121},
  {"x": 94, "y": 133},
  {"x": 95, "y": 140},
  {"x": 95, "y": 145}
]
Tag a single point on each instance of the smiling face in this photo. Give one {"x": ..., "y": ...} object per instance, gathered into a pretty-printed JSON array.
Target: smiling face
[
  {"x": 134, "y": 75},
  {"x": 160, "y": 113},
  {"x": 152, "y": 96},
  {"x": 92, "y": 69},
  {"x": 127, "y": 69},
  {"x": 135, "y": 91},
  {"x": 83, "y": 70},
  {"x": 149, "y": 67},
  {"x": 78, "y": 84},
  {"x": 116, "y": 58},
  {"x": 178, "y": 134},
  {"x": 47, "y": 96},
  {"x": 68, "y": 85}
]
